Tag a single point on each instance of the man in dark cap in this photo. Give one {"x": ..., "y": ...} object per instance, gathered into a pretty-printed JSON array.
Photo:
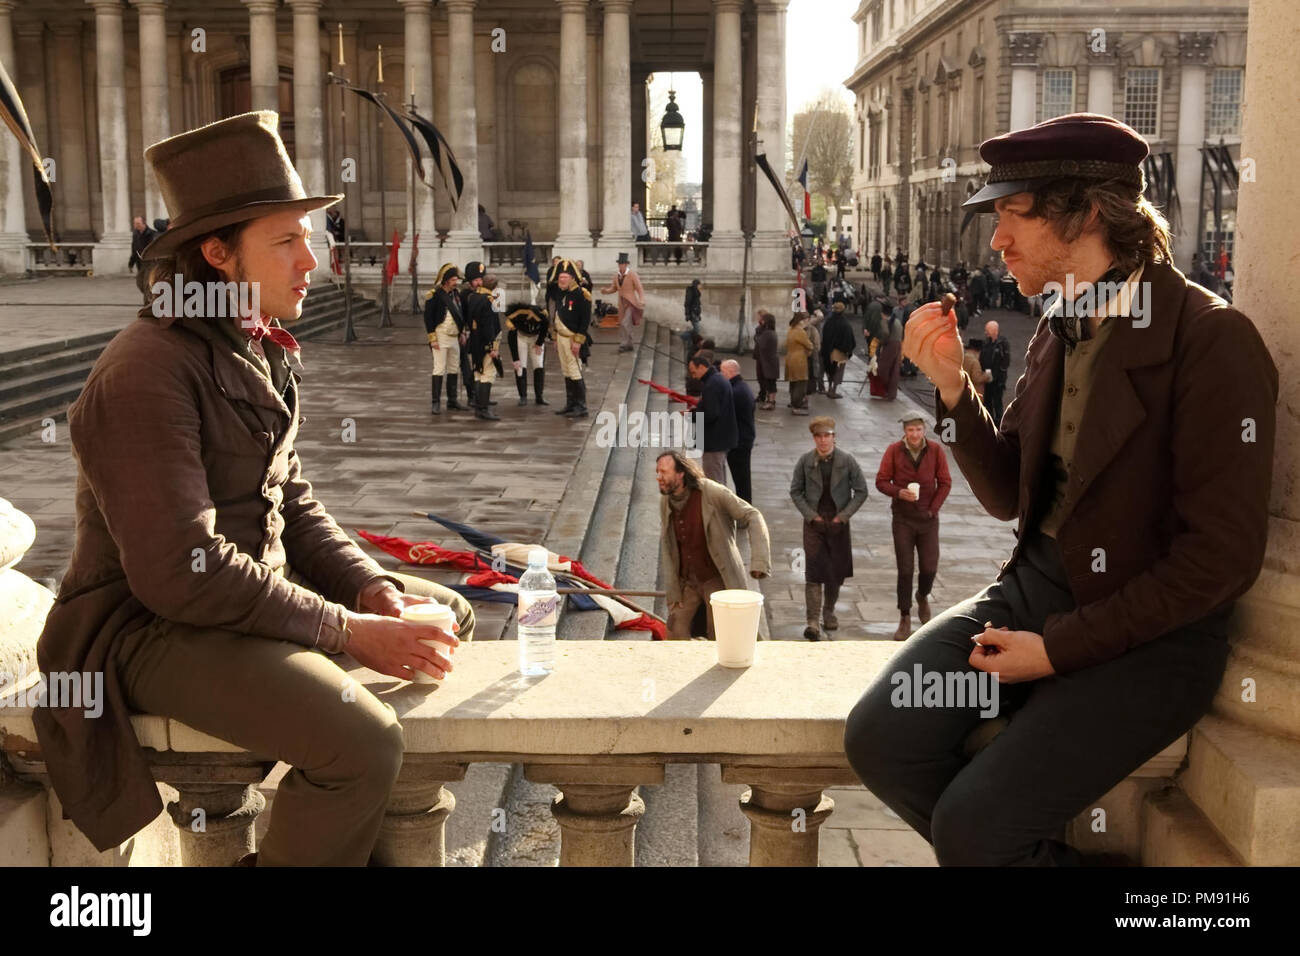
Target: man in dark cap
[
  {"x": 444, "y": 325},
  {"x": 572, "y": 326},
  {"x": 1141, "y": 491}
]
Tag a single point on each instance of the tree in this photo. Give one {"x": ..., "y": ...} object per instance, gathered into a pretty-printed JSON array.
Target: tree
[
  {"x": 825, "y": 125},
  {"x": 669, "y": 166}
]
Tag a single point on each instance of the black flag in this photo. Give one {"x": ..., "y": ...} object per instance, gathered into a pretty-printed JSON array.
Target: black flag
[
  {"x": 436, "y": 142},
  {"x": 761, "y": 159},
  {"x": 15, "y": 117}
]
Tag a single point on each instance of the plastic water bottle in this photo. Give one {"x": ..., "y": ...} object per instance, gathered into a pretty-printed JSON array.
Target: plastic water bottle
[{"x": 539, "y": 610}]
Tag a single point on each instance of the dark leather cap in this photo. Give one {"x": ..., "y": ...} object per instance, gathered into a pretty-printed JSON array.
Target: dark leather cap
[{"x": 1077, "y": 145}]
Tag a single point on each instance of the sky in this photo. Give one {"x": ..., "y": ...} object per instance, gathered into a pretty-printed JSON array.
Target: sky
[{"x": 821, "y": 50}]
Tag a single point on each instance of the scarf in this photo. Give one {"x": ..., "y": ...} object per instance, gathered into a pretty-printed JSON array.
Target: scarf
[
  {"x": 1073, "y": 329},
  {"x": 263, "y": 329}
]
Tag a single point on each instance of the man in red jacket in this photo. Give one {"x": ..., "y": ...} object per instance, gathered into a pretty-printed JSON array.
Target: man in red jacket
[{"x": 914, "y": 472}]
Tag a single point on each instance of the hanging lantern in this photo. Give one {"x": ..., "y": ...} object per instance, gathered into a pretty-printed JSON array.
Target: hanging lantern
[{"x": 672, "y": 127}]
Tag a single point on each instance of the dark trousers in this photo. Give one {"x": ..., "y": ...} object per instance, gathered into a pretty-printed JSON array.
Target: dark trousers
[
  {"x": 738, "y": 462},
  {"x": 799, "y": 394},
  {"x": 919, "y": 535},
  {"x": 767, "y": 389},
  {"x": 993, "y": 401},
  {"x": 1071, "y": 737}
]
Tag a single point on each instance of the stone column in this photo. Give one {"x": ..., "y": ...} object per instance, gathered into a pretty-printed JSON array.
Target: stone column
[
  {"x": 574, "y": 239},
  {"x": 264, "y": 63},
  {"x": 1194, "y": 54},
  {"x": 772, "y": 224},
  {"x": 616, "y": 114},
  {"x": 309, "y": 118},
  {"x": 155, "y": 108},
  {"x": 1024, "y": 48},
  {"x": 597, "y": 809},
  {"x": 726, "y": 245},
  {"x": 414, "y": 829},
  {"x": 706, "y": 185},
  {"x": 1243, "y": 770},
  {"x": 419, "y": 56},
  {"x": 13, "y": 166},
  {"x": 485, "y": 101},
  {"x": 462, "y": 130},
  {"x": 113, "y": 250}
]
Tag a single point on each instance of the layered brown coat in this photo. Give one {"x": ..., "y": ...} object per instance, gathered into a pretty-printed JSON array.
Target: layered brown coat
[
  {"x": 1166, "y": 514},
  {"x": 189, "y": 500}
]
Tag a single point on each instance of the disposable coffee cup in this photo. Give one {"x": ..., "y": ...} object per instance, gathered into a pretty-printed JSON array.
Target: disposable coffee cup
[
  {"x": 915, "y": 488},
  {"x": 436, "y": 615},
  {"x": 736, "y": 614}
]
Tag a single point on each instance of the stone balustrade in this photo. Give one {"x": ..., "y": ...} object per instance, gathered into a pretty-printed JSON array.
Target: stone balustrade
[{"x": 76, "y": 258}]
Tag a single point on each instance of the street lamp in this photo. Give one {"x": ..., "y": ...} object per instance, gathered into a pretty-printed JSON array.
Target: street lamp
[
  {"x": 808, "y": 238},
  {"x": 672, "y": 127}
]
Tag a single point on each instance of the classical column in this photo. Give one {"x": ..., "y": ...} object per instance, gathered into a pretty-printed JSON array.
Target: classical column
[
  {"x": 1194, "y": 54},
  {"x": 1024, "y": 49},
  {"x": 706, "y": 186},
  {"x": 264, "y": 78},
  {"x": 574, "y": 239},
  {"x": 616, "y": 114},
  {"x": 729, "y": 129},
  {"x": 485, "y": 103},
  {"x": 419, "y": 58},
  {"x": 462, "y": 129},
  {"x": 113, "y": 250},
  {"x": 309, "y": 117},
  {"x": 1101, "y": 76},
  {"x": 13, "y": 165},
  {"x": 1243, "y": 770},
  {"x": 771, "y": 225},
  {"x": 155, "y": 108}
]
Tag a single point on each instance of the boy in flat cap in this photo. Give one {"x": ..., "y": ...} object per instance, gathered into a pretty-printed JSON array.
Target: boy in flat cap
[
  {"x": 1140, "y": 487},
  {"x": 206, "y": 575}
]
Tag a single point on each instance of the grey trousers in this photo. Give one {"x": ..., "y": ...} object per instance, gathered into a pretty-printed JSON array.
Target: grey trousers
[
  {"x": 1071, "y": 737},
  {"x": 714, "y": 464},
  {"x": 282, "y": 700}
]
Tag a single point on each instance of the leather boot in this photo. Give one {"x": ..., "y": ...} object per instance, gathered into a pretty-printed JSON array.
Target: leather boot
[
  {"x": 521, "y": 385},
  {"x": 904, "y": 627},
  {"x": 568, "y": 397},
  {"x": 923, "y": 608},
  {"x": 483, "y": 408},
  {"x": 579, "y": 399},
  {"x": 539, "y": 379},
  {"x": 437, "y": 394},
  {"x": 452, "y": 404},
  {"x": 812, "y": 596}
]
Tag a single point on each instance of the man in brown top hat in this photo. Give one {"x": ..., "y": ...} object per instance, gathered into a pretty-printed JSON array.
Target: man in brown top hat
[
  {"x": 207, "y": 583},
  {"x": 1140, "y": 486}
]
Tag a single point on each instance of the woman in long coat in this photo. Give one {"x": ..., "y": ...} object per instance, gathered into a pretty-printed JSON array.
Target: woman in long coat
[
  {"x": 838, "y": 343},
  {"x": 798, "y": 348},
  {"x": 767, "y": 358}
]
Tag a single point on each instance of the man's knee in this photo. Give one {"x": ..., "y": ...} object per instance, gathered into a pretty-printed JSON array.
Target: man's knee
[{"x": 373, "y": 747}]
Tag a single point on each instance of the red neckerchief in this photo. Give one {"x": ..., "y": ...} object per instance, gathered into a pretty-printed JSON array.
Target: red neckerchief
[{"x": 261, "y": 328}]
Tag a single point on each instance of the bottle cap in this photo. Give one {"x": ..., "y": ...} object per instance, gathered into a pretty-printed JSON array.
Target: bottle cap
[{"x": 537, "y": 558}]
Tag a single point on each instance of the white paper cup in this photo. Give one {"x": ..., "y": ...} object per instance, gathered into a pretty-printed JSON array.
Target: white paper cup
[
  {"x": 439, "y": 616},
  {"x": 915, "y": 488},
  {"x": 736, "y": 614}
]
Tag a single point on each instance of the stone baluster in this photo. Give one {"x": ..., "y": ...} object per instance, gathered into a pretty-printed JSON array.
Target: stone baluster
[
  {"x": 597, "y": 809},
  {"x": 414, "y": 828},
  {"x": 786, "y": 808},
  {"x": 217, "y": 803}
]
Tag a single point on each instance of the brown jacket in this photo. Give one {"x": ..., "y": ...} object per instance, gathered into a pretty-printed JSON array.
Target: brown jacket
[
  {"x": 189, "y": 498},
  {"x": 798, "y": 347},
  {"x": 630, "y": 292},
  {"x": 979, "y": 378},
  {"x": 1164, "y": 482}
]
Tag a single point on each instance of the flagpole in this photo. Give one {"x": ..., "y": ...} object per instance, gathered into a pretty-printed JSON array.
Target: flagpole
[
  {"x": 385, "y": 321},
  {"x": 415, "y": 280},
  {"x": 339, "y": 80}
]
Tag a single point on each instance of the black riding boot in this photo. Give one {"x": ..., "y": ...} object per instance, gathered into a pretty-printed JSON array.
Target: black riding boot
[
  {"x": 437, "y": 393},
  {"x": 483, "y": 410},
  {"x": 539, "y": 379},
  {"x": 452, "y": 404},
  {"x": 521, "y": 383},
  {"x": 579, "y": 399},
  {"x": 568, "y": 397}
]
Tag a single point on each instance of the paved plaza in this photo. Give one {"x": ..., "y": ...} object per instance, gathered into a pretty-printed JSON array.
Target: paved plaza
[{"x": 510, "y": 477}]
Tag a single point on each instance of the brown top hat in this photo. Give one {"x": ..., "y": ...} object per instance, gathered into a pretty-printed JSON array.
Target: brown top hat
[{"x": 226, "y": 172}]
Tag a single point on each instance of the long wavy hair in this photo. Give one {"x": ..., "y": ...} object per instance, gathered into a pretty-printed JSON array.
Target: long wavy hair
[
  {"x": 1134, "y": 230},
  {"x": 188, "y": 260}
]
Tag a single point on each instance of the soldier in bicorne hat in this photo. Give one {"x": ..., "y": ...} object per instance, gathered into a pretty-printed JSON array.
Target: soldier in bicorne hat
[
  {"x": 527, "y": 329},
  {"x": 572, "y": 327},
  {"x": 444, "y": 325},
  {"x": 1136, "y": 456}
]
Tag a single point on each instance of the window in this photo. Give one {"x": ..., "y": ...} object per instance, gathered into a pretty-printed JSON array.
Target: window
[
  {"x": 1224, "y": 239},
  {"x": 1225, "y": 103},
  {"x": 1058, "y": 94},
  {"x": 533, "y": 135},
  {"x": 979, "y": 109},
  {"x": 1142, "y": 99},
  {"x": 925, "y": 125},
  {"x": 877, "y": 24},
  {"x": 875, "y": 147}
]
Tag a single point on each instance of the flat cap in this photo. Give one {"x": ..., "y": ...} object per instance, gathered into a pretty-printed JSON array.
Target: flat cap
[{"x": 1077, "y": 145}]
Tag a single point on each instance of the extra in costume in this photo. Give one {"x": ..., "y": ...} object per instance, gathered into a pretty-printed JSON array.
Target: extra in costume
[
  {"x": 444, "y": 323},
  {"x": 484, "y": 331},
  {"x": 572, "y": 325},
  {"x": 528, "y": 328}
]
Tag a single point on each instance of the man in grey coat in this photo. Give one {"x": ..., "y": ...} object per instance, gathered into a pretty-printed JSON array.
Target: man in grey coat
[{"x": 697, "y": 547}]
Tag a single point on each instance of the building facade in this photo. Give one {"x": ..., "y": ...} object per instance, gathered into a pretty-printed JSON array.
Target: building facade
[
  {"x": 543, "y": 101},
  {"x": 937, "y": 77}
]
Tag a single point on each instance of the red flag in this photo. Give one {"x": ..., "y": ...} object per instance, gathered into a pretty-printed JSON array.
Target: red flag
[
  {"x": 690, "y": 401},
  {"x": 391, "y": 267},
  {"x": 807, "y": 204}
]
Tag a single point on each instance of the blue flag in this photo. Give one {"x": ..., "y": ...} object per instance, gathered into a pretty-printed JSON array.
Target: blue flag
[{"x": 530, "y": 260}]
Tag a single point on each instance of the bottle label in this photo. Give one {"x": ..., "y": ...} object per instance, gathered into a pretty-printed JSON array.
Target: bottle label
[{"x": 539, "y": 612}]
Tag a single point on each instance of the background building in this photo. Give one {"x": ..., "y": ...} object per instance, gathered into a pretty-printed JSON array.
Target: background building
[{"x": 937, "y": 77}]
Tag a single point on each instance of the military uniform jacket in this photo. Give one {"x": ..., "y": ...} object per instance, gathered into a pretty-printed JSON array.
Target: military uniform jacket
[
  {"x": 484, "y": 326},
  {"x": 526, "y": 323},
  {"x": 575, "y": 312},
  {"x": 437, "y": 307}
]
